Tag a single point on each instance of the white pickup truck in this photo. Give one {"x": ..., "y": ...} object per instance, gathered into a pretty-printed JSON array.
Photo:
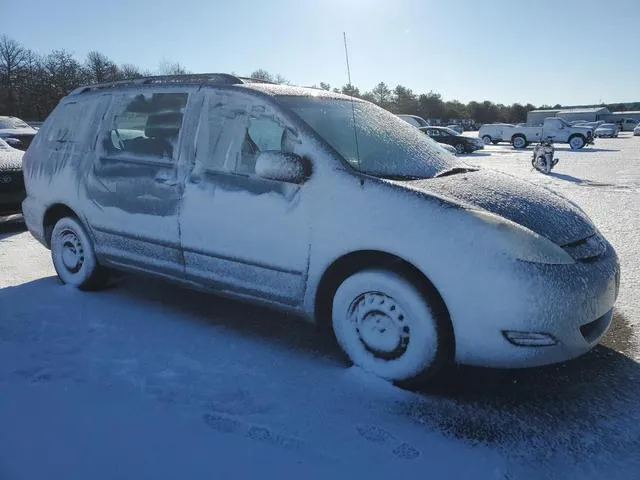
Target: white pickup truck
[{"x": 555, "y": 128}]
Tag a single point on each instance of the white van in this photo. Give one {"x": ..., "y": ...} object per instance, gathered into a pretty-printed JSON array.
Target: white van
[{"x": 495, "y": 133}]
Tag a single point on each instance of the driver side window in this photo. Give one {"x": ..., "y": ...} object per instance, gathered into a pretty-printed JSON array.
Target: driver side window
[{"x": 233, "y": 134}]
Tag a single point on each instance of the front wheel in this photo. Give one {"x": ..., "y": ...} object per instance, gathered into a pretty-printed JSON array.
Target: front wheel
[
  {"x": 74, "y": 257},
  {"x": 576, "y": 142},
  {"x": 460, "y": 148},
  {"x": 486, "y": 139},
  {"x": 388, "y": 327},
  {"x": 541, "y": 164}
]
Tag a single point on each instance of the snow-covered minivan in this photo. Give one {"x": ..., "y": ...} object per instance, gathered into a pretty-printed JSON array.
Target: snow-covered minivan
[{"x": 322, "y": 205}]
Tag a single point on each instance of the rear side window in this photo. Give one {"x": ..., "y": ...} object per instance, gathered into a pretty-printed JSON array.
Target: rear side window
[{"x": 147, "y": 125}]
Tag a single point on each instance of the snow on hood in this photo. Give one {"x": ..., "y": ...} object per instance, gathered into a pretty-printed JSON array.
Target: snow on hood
[{"x": 538, "y": 209}]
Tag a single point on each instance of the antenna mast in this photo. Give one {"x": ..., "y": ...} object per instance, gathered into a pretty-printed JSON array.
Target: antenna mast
[{"x": 353, "y": 106}]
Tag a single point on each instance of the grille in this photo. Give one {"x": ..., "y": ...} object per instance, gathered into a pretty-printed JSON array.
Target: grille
[{"x": 587, "y": 249}]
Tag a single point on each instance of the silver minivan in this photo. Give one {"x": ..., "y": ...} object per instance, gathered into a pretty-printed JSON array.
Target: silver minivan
[{"x": 321, "y": 205}]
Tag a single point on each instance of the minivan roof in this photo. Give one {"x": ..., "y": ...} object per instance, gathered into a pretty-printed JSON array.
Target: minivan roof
[{"x": 212, "y": 79}]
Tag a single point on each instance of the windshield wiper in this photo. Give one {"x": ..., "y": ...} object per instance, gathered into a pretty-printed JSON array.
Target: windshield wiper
[
  {"x": 455, "y": 171},
  {"x": 402, "y": 177}
]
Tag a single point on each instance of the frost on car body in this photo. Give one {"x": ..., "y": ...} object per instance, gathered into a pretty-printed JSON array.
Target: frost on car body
[{"x": 281, "y": 195}]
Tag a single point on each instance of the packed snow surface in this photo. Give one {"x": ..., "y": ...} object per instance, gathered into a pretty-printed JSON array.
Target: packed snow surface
[{"x": 149, "y": 381}]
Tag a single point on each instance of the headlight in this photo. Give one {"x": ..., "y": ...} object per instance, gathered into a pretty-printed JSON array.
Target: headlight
[{"x": 521, "y": 243}]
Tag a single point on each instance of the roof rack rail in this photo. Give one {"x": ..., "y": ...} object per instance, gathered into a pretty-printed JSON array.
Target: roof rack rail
[
  {"x": 197, "y": 78},
  {"x": 256, "y": 80}
]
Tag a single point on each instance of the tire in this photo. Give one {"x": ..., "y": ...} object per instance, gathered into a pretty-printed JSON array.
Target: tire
[
  {"x": 74, "y": 257},
  {"x": 388, "y": 327},
  {"x": 519, "y": 141},
  {"x": 487, "y": 139},
  {"x": 460, "y": 148},
  {"x": 576, "y": 142}
]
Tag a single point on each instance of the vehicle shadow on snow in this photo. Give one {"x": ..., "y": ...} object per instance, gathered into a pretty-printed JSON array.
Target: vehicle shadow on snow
[
  {"x": 579, "y": 181},
  {"x": 584, "y": 150},
  {"x": 264, "y": 324},
  {"x": 586, "y": 406}
]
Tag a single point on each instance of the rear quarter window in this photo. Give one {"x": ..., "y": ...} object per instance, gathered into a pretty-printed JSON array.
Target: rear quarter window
[{"x": 75, "y": 122}]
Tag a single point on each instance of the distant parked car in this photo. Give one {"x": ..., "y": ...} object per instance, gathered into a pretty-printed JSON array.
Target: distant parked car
[
  {"x": 556, "y": 128},
  {"x": 414, "y": 120},
  {"x": 606, "y": 130},
  {"x": 627, "y": 124},
  {"x": 636, "y": 131},
  {"x": 461, "y": 143},
  {"x": 16, "y": 132},
  {"x": 495, "y": 133},
  {"x": 456, "y": 128},
  {"x": 446, "y": 147},
  {"x": 12, "y": 191}
]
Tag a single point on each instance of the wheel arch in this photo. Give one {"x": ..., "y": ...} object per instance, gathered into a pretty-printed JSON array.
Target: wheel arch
[
  {"x": 353, "y": 262},
  {"x": 51, "y": 216}
]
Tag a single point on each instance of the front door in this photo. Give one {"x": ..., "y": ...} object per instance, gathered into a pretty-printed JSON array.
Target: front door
[
  {"x": 242, "y": 233},
  {"x": 134, "y": 185},
  {"x": 555, "y": 129}
]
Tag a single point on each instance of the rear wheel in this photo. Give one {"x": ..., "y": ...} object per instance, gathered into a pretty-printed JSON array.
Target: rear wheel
[
  {"x": 460, "y": 148},
  {"x": 388, "y": 327},
  {"x": 74, "y": 257},
  {"x": 486, "y": 139},
  {"x": 576, "y": 142}
]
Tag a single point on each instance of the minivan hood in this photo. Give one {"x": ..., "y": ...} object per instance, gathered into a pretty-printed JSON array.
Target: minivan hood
[{"x": 538, "y": 209}]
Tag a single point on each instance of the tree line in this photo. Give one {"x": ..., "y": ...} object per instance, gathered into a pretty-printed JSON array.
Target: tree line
[{"x": 31, "y": 85}]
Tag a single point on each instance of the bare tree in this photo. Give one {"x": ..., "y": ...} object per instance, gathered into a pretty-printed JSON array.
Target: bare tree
[
  {"x": 171, "y": 68},
  {"x": 129, "y": 71},
  {"x": 12, "y": 58},
  {"x": 100, "y": 68},
  {"x": 262, "y": 74},
  {"x": 64, "y": 72}
]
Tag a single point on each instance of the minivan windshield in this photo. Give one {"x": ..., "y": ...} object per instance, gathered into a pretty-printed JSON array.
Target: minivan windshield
[{"x": 387, "y": 146}]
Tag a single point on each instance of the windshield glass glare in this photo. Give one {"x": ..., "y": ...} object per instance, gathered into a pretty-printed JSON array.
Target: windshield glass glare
[{"x": 386, "y": 145}]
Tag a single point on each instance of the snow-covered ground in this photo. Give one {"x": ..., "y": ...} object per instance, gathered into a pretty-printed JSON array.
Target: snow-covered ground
[{"x": 149, "y": 381}]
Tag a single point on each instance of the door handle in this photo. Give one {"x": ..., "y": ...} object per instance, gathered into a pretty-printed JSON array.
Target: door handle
[{"x": 167, "y": 181}]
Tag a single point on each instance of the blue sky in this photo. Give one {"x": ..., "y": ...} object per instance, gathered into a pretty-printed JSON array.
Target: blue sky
[{"x": 538, "y": 51}]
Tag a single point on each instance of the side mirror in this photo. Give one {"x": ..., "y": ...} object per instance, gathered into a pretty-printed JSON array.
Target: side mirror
[{"x": 281, "y": 166}]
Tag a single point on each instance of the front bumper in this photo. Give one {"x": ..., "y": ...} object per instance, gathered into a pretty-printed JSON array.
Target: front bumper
[{"x": 571, "y": 303}]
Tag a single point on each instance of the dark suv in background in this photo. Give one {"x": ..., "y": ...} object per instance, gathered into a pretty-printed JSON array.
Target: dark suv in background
[
  {"x": 461, "y": 143},
  {"x": 12, "y": 191}
]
